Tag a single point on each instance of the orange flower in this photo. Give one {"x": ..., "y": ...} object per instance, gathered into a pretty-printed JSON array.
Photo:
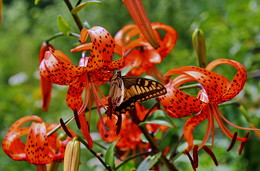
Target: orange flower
[
  {"x": 91, "y": 72},
  {"x": 46, "y": 86},
  {"x": 139, "y": 54},
  {"x": 215, "y": 89},
  {"x": 130, "y": 135},
  {"x": 137, "y": 11},
  {"x": 39, "y": 148}
]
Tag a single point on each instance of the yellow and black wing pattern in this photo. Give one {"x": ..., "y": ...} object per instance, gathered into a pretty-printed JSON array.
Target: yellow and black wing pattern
[{"x": 126, "y": 90}]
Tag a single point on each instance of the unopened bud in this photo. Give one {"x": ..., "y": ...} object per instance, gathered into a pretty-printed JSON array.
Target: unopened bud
[
  {"x": 72, "y": 155},
  {"x": 198, "y": 41}
]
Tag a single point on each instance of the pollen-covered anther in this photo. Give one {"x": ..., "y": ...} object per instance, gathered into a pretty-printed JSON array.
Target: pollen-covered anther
[
  {"x": 232, "y": 142},
  {"x": 242, "y": 144},
  {"x": 212, "y": 155}
]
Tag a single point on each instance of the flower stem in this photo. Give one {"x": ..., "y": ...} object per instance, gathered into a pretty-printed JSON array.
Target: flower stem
[
  {"x": 156, "y": 149},
  {"x": 41, "y": 167},
  {"x": 132, "y": 157},
  {"x": 95, "y": 154},
  {"x": 75, "y": 16},
  {"x": 53, "y": 166}
]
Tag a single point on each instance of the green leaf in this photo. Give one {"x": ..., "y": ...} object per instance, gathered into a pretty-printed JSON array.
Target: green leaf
[
  {"x": 82, "y": 5},
  {"x": 63, "y": 25},
  {"x": 149, "y": 162},
  {"x": 130, "y": 165},
  {"x": 109, "y": 156}
]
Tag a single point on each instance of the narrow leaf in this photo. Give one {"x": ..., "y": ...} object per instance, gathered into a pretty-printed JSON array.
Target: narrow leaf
[
  {"x": 149, "y": 162},
  {"x": 109, "y": 156},
  {"x": 36, "y": 2},
  {"x": 82, "y": 5},
  {"x": 63, "y": 25}
]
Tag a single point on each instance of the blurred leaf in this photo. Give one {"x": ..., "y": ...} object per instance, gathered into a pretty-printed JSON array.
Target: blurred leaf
[
  {"x": 149, "y": 162},
  {"x": 36, "y": 2},
  {"x": 1, "y": 8},
  {"x": 82, "y": 5},
  {"x": 109, "y": 156},
  {"x": 130, "y": 165},
  {"x": 63, "y": 25}
]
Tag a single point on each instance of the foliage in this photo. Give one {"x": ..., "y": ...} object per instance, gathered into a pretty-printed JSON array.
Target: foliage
[{"x": 231, "y": 30}]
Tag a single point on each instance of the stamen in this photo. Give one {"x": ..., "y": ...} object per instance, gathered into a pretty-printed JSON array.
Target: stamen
[
  {"x": 208, "y": 150},
  {"x": 242, "y": 144},
  {"x": 76, "y": 116},
  {"x": 234, "y": 139},
  {"x": 65, "y": 128},
  {"x": 195, "y": 156},
  {"x": 209, "y": 128},
  {"x": 109, "y": 109},
  {"x": 119, "y": 123},
  {"x": 98, "y": 110},
  {"x": 191, "y": 160}
]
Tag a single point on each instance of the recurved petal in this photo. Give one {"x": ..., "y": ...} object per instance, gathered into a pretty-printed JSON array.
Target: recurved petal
[
  {"x": 168, "y": 42},
  {"x": 73, "y": 98},
  {"x": 102, "y": 49},
  {"x": 13, "y": 146},
  {"x": 238, "y": 81},
  {"x": 36, "y": 149},
  {"x": 214, "y": 84},
  {"x": 57, "y": 68},
  {"x": 179, "y": 104},
  {"x": 189, "y": 126}
]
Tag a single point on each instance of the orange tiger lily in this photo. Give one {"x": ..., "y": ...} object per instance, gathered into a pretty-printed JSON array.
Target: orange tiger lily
[
  {"x": 215, "y": 89},
  {"x": 91, "y": 72},
  {"x": 46, "y": 86},
  {"x": 39, "y": 149},
  {"x": 139, "y": 54}
]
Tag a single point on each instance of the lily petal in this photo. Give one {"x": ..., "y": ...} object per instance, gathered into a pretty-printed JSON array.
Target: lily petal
[{"x": 36, "y": 149}]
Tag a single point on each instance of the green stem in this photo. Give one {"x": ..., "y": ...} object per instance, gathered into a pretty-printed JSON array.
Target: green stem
[
  {"x": 61, "y": 34},
  {"x": 41, "y": 167},
  {"x": 157, "y": 149},
  {"x": 75, "y": 16},
  {"x": 95, "y": 154},
  {"x": 53, "y": 166},
  {"x": 132, "y": 157}
]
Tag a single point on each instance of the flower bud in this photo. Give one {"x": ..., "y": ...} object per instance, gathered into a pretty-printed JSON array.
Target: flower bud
[
  {"x": 72, "y": 156},
  {"x": 198, "y": 41}
]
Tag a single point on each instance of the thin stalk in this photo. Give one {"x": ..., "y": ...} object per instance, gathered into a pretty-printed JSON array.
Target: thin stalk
[
  {"x": 41, "y": 167},
  {"x": 95, "y": 154},
  {"x": 156, "y": 149},
  {"x": 75, "y": 16},
  {"x": 132, "y": 157},
  {"x": 61, "y": 34}
]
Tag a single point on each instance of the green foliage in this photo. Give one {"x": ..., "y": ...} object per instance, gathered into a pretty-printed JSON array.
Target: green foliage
[{"x": 231, "y": 30}]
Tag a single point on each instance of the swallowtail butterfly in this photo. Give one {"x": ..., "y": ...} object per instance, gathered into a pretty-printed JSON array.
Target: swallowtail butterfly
[{"x": 126, "y": 90}]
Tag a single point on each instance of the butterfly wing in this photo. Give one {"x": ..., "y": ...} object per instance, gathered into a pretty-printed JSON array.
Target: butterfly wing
[
  {"x": 117, "y": 90},
  {"x": 137, "y": 89}
]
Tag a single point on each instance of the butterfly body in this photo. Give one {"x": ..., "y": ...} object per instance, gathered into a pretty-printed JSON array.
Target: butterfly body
[{"x": 125, "y": 91}]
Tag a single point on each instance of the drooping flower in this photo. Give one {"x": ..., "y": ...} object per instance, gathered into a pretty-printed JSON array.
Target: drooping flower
[
  {"x": 215, "y": 89},
  {"x": 39, "y": 149},
  {"x": 139, "y": 54},
  {"x": 93, "y": 70},
  {"x": 46, "y": 86}
]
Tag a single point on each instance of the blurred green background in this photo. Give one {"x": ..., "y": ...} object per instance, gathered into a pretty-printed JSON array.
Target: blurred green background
[{"x": 231, "y": 28}]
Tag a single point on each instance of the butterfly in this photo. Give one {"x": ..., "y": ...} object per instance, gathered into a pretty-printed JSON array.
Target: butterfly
[{"x": 125, "y": 91}]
